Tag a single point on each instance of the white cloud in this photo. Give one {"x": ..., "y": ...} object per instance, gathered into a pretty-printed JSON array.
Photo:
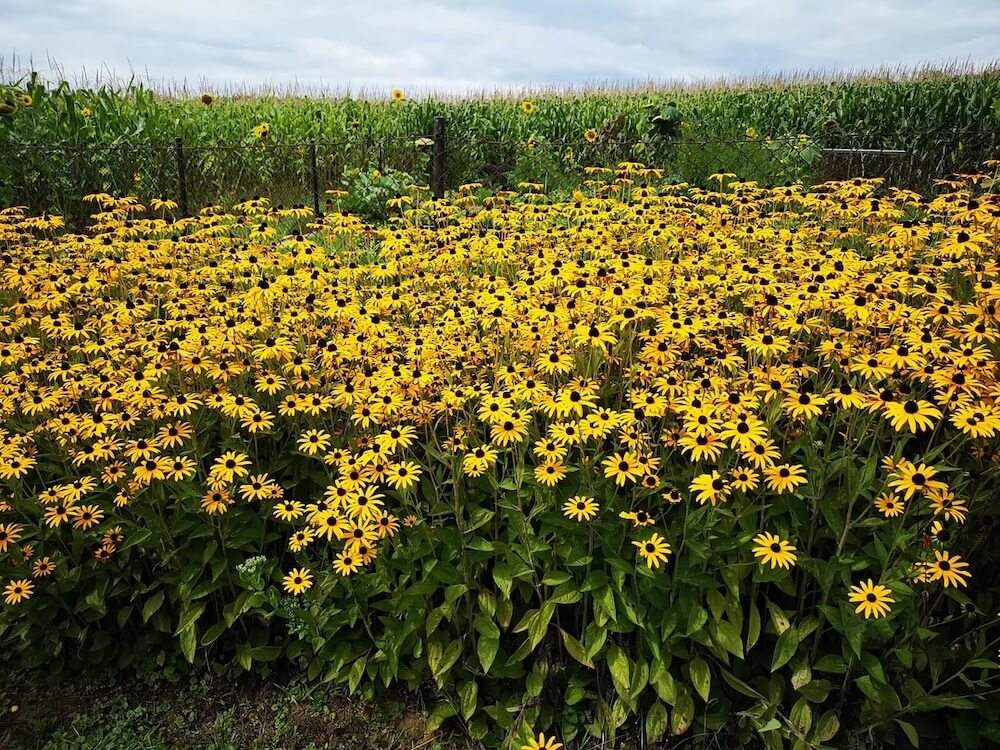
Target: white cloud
[{"x": 454, "y": 45}]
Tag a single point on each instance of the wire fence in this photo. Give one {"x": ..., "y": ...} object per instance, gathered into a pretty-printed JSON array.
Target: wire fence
[{"x": 55, "y": 177}]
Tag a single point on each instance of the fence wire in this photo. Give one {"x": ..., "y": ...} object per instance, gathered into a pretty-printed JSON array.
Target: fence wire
[{"x": 55, "y": 177}]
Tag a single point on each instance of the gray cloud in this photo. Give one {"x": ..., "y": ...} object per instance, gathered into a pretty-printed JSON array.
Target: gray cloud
[{"x": 454, "y": 45}]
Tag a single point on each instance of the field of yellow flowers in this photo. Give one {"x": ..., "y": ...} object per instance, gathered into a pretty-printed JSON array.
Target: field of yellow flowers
[{"x": 687, "y": 460}]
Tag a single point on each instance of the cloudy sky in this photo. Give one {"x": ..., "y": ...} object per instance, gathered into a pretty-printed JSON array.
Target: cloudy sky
[{"x": 457, "y": 45}]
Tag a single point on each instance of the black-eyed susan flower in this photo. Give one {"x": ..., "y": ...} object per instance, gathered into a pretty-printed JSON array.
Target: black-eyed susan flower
[
  {"x": 784, "y": 478},
  {"x": 890, "y": 505},
  {"x": 950, "y": 569},
  {"x": 581, "y": 508},
  {"x": 18, "y": 591},
  {"x": 654, "y": 550},
  {"x": 347, "y": 562},
  {"x": 772, "y": 550},
  {"x": 542, "y": 743},
  {"x": 710, "y": 488},
  {"x": 622, "y": 468},
  {"x": 873, "y": 599},
  {"x": 909, "y": 478},
  {"x": 297, "y": 581}
]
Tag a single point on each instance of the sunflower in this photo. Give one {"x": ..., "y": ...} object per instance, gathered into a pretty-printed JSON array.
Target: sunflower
[
  {"x": 207, "y": 99},
  {"x": 773, "y": 550},
  {"x": 527, "y": 106},
  {"x": 654, "y": 550},
  {"x": 398, "y": 95},
  {"x": 590, "y": 135},
  {"x": 873, "y": 599},
  {"x": 581, "y": 508},
  {"x": 298, "y": 581}
]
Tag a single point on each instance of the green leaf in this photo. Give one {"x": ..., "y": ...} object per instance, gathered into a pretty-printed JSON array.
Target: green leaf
[
  {"x": 576, "y": 649},
  {"x": 487, "y": 650},
  {"x": 725, "y": 635},
  {"x": 212, "y": 634},
  {"x": 656, "y": 721},
  {"x": 683, "y": 713},
  {"x": 468, "y": 691},
  {"x": 753, "y": 628},
  {"x": 831, "y": 663},
  {"x": 618, "y": 664},
  {"x": 189, "y": 640},
  {"x": 243, "y": 657},
  {"x": 190, "y": 617},
  {"x": 447, "y": 660},
  {"x": 827, "y": 727},
  {"x": 784, "y": 649},
  {"x": 441, "y": 713},
  {"x": 701, "y": 677},
  {"x": 152, "y": 605},
  {"x": 910, "y": 731},
  {"x": 540, "y": 624},
  {"x": 801, "y": 716},
  {"x": 485, "y": 626}
]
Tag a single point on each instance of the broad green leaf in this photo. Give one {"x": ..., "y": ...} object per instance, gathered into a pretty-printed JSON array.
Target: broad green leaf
[
  {"x": 784, "y": 649},
  {"x": 656, "y": 721},
  {"x": 576, "y": 649},
  {"x": 487, "y": 650},
  {"x": 701, "y": 677},
  {"x": 152, "y": 605}
]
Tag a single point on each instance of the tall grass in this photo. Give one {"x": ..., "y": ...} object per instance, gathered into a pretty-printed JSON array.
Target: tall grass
[{"x": 938, "y": 115}]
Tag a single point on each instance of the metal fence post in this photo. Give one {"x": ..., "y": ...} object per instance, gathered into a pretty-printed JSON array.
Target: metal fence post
[
  {"x": 438, "y": 160},
  {"x": 182, "y": 194},
  {"x": 314, "y": 174}
]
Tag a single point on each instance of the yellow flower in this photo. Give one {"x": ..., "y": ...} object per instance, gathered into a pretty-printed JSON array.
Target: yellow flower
[
  {"x": 18, "y": 591},
  {"x": 581, "y": 508},
  {"x": 542, "y": 743},
  {"x": 550, "y": 473},
  {"x": 774, "y": 551},
  {"x": 527, "y": 106},
  {"x": 950, "y": 569},
  {"x": 590, "y": 135},
  {"x": 654, "y": 550},
  {"x": 298, "y": 581},
  {"x": 398, "y": 95},
  {"x": 873, "y": 599}
]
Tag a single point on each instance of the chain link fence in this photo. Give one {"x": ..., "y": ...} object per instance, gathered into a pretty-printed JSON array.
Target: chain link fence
[{"x": 55, "y": 177}]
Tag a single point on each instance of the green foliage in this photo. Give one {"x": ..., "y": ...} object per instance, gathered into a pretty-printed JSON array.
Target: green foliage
[{"x": 121, "y": 140}]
